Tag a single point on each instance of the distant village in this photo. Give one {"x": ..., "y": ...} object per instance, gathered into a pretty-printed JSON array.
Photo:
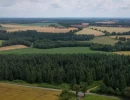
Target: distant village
[{"x": 83, "y": 25}]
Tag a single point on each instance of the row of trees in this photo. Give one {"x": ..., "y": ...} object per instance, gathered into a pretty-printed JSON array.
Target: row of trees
[
  {"x": 114, "y": 70},
  {"x": 119, "y": 46},
  {"x": 16, "y": 42},
  {"x": 45, "y": 44},
  {"x": 34, "y": 35}
]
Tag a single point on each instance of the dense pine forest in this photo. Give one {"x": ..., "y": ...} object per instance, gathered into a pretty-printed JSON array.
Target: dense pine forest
[{"x": 113, "y": 70}]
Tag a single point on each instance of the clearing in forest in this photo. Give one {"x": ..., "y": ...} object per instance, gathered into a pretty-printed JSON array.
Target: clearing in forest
[
  {"x": 12, "y": 47},
  {"x": 111, "y": 29},
  {"x": 14, "y": 92},
  {"x": 90, "y": 31},
  {"x": 104, "y": 40}
]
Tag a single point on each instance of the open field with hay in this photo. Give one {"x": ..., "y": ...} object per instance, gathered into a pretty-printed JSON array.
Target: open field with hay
[
  {"x": 18, "y": 27},
  {"x": 104, "y": 40},
  {"x": 122, "y": 52},
  {"x": 67, "y": 50},
  {"x": 14, "y": 92},
  {"x": 112, "y": 29},
  {"x": 12, "y": 47},
  {"x": 98, "y": 97},
  {"x": 90, "y": 31}
]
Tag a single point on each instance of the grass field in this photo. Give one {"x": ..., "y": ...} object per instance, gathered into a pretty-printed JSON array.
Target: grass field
[
  {"x": 126, "y": 36},
  {"x": 18, "y": 27},
  {"x": 13, "y": 92},
  {"x": 1, "y": 42},
  {"x": 98, "y": 97},
  {"x": 90, "y": 31},
  {"x": 70, "y": 50},
  {"x": 104, "y": 40},
  {"x": 112, "y": 29},
  {"x": 12, "y": 47}
]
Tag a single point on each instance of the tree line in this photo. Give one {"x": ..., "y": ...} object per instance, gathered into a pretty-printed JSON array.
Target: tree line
[
  {"x": 114, "y": 70},
  {"x": 34, "y": 35},
  {"x": 46, "y": 44}
]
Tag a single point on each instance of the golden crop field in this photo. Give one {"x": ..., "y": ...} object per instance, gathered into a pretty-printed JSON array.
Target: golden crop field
[
  {"x": 123, "y": 52},
  {"x": 14, "y": 92},
  {"x": 14, "y": 27},
  {"x": 12, "y": 47},
  {"x": 90, "y": 31},
  {"x": 112, "y": 29}
]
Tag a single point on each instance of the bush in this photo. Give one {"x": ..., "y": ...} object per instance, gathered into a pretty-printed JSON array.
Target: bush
[{"x": 65, "y": 95}]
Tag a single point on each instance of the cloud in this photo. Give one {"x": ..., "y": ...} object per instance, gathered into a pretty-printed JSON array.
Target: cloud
[
  {"x": 7, "y": 3},
  {"x": 64, "y": 8}
]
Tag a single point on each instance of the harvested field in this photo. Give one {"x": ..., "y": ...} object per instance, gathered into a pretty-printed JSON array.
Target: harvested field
[
  {"x": 123, "y": 52},
  {"x": 14, "y": 92},
  {"x": 13, "y": 28},
  {"x": 112, "y": 29},
  {"x": 12, "y": 47},
  {"x": 90, "y": 31}
]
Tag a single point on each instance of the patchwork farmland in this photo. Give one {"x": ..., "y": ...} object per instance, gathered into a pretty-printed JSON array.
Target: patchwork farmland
[
  {"x": 18, "y": 27},
  {"x": 111, "y": 29}
]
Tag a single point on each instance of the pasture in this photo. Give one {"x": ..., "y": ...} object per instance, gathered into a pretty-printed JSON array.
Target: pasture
[
  {"x": 99, "y": 97},
  {"x": 112, "y": 29},
  {"x": 12, "y": 47},
  {"x": 1, "y": 42},
  {"x": 90, "y": 31},
  {"x": 126, "y": 36},
  {"x": 104, "y": 40},
  {"x": 65, "y": 50},
  {"x": 18, "y": 27},
  {"x": 15, "y": 92}
]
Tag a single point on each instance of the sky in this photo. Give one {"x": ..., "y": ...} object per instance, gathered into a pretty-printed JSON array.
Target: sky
[{"x": 64, "y": 8}]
